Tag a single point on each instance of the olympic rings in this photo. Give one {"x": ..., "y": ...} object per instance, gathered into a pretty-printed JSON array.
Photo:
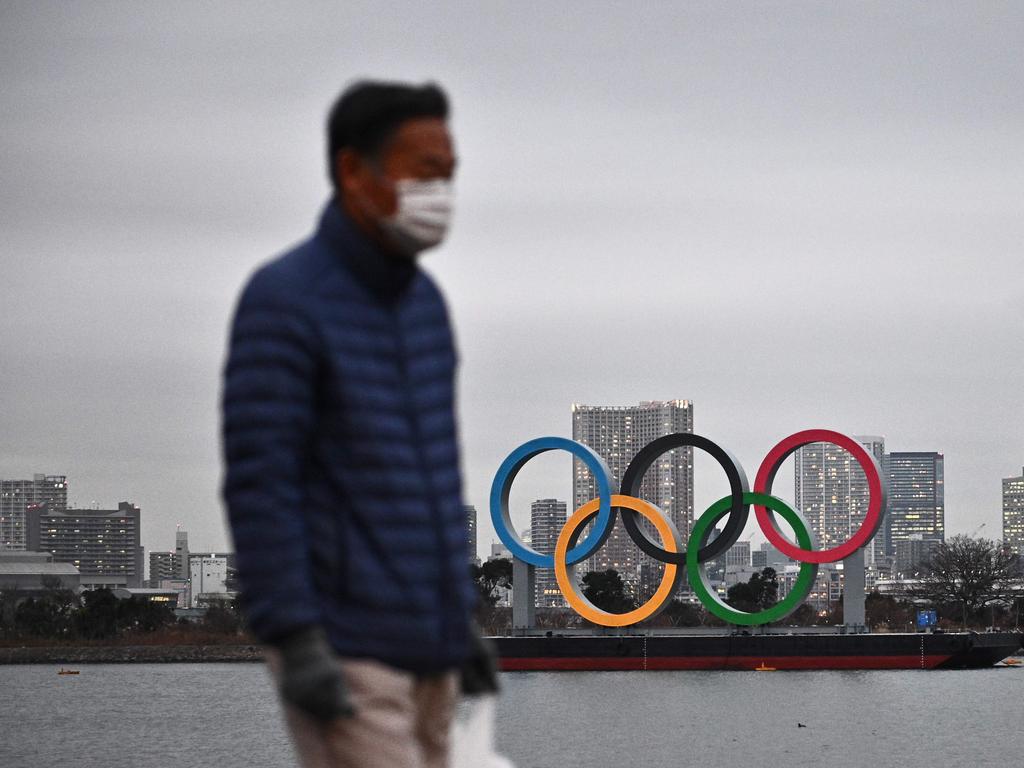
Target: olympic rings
[
  {"x": 876, "y": 488},
  {"x": 502, "y": 484},
  {"x": 697, "y": 571},
  {"x": 602, "y": 511},
  {"x": 565, "y": 576},
  {"x": 738, "y": 510}
]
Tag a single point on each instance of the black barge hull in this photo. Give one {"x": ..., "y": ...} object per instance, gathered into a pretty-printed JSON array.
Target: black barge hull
[{"x": 953, "y": 650}]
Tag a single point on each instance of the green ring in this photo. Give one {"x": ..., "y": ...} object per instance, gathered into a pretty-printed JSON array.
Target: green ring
[{"x": 697, "y": 571}]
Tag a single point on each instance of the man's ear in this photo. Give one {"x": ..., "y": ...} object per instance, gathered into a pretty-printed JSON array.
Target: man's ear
[{"x": 349, "y": 169}]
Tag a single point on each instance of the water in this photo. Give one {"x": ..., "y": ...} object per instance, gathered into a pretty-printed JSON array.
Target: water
[{"x": 153, "y": 716}]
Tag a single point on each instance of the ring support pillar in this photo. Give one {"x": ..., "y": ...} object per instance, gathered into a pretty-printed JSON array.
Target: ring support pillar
[
  {"x": 853, "y": 591},
  {"x": 524, "y": 611}
]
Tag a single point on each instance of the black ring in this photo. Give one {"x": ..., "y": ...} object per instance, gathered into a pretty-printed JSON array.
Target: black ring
[{"x": 738, "y": 512}]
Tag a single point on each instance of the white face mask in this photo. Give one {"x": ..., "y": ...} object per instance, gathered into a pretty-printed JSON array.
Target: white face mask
[{"x": 424, "y": 211}]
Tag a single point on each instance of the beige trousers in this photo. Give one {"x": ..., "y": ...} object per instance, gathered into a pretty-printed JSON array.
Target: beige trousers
[{"x": 401, "y": 721}]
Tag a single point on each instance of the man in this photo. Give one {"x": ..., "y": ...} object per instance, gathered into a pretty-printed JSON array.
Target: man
[{"x": 342, "y": 485}]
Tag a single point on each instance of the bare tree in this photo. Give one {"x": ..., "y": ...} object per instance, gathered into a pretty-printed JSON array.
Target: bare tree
[{"x": 971, "y": 572}]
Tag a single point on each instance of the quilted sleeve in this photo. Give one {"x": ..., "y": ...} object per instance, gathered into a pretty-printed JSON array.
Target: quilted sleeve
[{"x": 267, "y": 420}]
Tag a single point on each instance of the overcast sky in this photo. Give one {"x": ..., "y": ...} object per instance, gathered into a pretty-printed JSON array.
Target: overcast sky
[{"x": 795, "y": 215}]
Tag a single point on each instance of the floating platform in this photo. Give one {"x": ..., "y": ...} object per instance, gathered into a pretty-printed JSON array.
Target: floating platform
[{"x": 579, "y": 652}]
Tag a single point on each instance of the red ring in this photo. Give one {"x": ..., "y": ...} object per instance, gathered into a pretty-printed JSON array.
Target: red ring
[{"x": 766, "y": 475}]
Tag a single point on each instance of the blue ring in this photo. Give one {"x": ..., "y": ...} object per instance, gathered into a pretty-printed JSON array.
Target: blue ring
[{"x": 501, "y": 517}]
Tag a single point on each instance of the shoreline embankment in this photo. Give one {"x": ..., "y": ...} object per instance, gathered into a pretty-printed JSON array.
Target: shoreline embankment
[{"x": 131, "y": 654}]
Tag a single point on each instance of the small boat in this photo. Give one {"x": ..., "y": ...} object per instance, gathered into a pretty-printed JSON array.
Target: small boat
[
  {"x": 1013, "y": 662},
  {"x": 762, "y": 667},
  {"x": 63, "y": 671}
]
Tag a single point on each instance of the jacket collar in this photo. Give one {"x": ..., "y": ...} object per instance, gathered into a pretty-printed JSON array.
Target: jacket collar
[{"x": 387, "y": 276}]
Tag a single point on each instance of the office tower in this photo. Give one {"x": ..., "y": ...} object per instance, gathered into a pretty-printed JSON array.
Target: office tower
[
  {"x": 104, "y": 544},
  {"x": 470, "y": 512},
  {"x": 499, "y": 552},
  {"x": 759, "y": 559},
  {"x": 771, "y": 556},
  {"x": 738, "y": 555},
  {"x": 911, "y": 552},
  {"x": 832, "y": 492},
  {"x": 17, "y": 495},
  {"x": 1013, "y": 513},
  {"x": 617, "y": 433},
  {"x": 917, "y": 504},
  {"x": 547, "y": 517}
]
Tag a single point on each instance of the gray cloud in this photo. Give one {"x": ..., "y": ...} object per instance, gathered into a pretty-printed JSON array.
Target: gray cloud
[{"x": 795, "y": 215}]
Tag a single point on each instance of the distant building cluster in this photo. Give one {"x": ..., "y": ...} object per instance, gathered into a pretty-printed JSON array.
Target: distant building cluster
[
  {"x": 46, "y": 543},
  {"x": 198, "y": 578},
  {"x": 830, "y": 489}
]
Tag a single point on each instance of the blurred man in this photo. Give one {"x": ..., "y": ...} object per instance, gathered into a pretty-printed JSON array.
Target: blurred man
[{"x": 342, "y": 484}]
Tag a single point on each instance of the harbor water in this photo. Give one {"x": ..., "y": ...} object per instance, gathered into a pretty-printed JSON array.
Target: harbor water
[{"x": 226, "y": 715}]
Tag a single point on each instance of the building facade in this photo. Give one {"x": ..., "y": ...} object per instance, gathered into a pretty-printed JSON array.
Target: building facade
[
  {"x": 15, "y": 498},
  {"x": 163, "y": 566},
  {"x": 208, "y": 575},
  {"x": 759, "y": 558},
  {"x": 916, "y": 498},
  {"x": 181, "y": 552},
  {"x": 738, "y": 555},
  {"x": 470, "y": 512},
  {"x": 1013, "y": 513},
  {"x": 547, "y": 517},
  {"x": 617, "y": 433},
  {"x": 831, "y": 490},
  {"x": 911, "y": 552},
  {"x": 28, "y": 574},
  {"x": 104, "y": 544}
]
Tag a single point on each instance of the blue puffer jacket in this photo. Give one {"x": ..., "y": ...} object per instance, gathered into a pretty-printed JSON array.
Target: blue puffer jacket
[{"x": 342, "y": 486}]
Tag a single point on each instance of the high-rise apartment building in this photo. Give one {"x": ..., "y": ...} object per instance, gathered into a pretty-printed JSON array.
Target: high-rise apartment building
[
  {"x": 470, "y": 512},
  {"x": 831, "y": 490},
  {"x": 163, "y": 566},
  {"x": 916, "y": 498},
  {"x": 15, "y": 498},
  {"x": 181, "y": 552},
  {"x": 1013, "y": 513},
  {"x": 547, "y": 518},
  {"x": 104, "y": 544},
  {"x": 617, "y": 433}
]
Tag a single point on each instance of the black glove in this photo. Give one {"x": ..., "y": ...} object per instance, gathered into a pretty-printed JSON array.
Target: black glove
[
  {"x": 310, "y": 676},
  {"x": 479, "y": 673}
]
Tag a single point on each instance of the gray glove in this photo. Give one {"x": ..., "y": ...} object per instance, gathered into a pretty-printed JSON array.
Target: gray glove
[
  {"x": 479, "y": 673},
  {"x": 310, "y": 676}
]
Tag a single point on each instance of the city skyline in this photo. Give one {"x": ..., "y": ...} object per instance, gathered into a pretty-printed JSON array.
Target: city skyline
[
  {"x": 39, "y": 489},
  {"x": 701, "y": 216}
]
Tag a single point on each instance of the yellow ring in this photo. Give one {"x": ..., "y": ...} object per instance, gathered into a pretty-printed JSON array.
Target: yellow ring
[{"x": 570, "y": 589}]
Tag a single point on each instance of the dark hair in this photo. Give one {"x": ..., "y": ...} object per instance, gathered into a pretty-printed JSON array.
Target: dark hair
[{"x": 368, "y": 112}]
